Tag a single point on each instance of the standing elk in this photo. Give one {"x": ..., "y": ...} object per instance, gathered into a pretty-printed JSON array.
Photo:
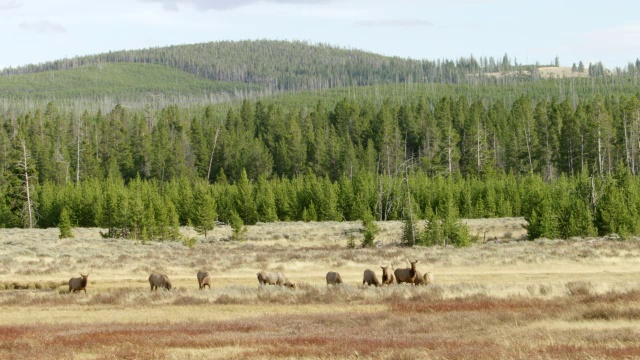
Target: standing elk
[
  {"x": 204, "y": 279},
  {"x": 387, "y": 278},
  {"x": 79, "y": 284},
  {"x": 406, "y": 275}
]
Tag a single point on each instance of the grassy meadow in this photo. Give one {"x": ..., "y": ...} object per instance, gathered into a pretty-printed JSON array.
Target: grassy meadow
[{"x": 500, "y": 298}]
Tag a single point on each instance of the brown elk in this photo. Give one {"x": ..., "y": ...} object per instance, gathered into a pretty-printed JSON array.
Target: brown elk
[
  {"x": 159, "y": 281},
  {"x": 406, "y": 275},
  {"x": 79, "y": 284},
  {"x": 333, "y": 278},
  {"x": 423, "y": 279},
  {"x": 370, "y": 278},
  {"x": 204, "y": 279},
  {"x": 274, "y": 278},
  {"x": 387, "y": 278}
]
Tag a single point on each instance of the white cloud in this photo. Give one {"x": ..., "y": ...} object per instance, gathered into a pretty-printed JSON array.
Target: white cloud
[
  {"x": 173, "y": 5},
  {"x": 42, "y": 26},
  {"x": 10, "y": 5},
  {"x": 624, "y": 38},
  {"x": 394, "y": 23}
]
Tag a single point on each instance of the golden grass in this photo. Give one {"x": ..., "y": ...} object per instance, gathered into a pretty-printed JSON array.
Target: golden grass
[
  {"x": 499, "y": 299},
  {"x": 548, "y": 72},
  {"x": 560, "y": 72}
]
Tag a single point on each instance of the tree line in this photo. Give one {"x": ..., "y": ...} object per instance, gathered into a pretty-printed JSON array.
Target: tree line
[
  {"x": 438, "y": 136},
  {"x": 297, "y": 65},
  {"x": 578, "y": 205},
  {"x": 318, "y": 163}
]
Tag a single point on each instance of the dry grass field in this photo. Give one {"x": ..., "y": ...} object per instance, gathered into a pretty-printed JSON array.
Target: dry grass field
[
  {"x": 503, "y": 298},
  {"x": 547, "y": 72}
]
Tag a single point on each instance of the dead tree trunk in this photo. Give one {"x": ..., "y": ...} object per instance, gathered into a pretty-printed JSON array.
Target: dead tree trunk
[
  {"x": 26, "y": 183},
  {"x": 215, "y": 141}
]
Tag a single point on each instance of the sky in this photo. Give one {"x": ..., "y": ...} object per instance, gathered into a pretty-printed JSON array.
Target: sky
[{"x": 36, "y": 31}]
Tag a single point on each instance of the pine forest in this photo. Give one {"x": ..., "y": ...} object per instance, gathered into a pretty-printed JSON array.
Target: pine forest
[{"x": 269, "y": 131}]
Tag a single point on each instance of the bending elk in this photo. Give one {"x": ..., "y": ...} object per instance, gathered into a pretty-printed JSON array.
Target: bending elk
[
  {"x": 79, "y": 284},
  {"x": 203, "y": 279},
  {"x": 421, "y": 279},
  {"x": 274, "y": 278},
  {"x": 406, "y": 275},
  {"x": 333, "y": 278},
  {"x": 370, "y": 278},
  {"x": 159, "y": 281}
]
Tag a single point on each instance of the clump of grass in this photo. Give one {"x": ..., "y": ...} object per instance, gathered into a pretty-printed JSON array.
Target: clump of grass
[
  {"x": 579, "y": 288},
  {"x": 545, "y": 289},
  {"x": 613, "y": 297},
  {"x": 609, "y": 313},
  {"x": 351, "y": 241},
  {"x": 189, "y": 300},
  {"x": 277, "y": 296},
  {"x": 224, "y": 299}
]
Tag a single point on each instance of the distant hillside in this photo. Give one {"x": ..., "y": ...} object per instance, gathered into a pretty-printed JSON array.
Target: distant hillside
[
  {"x": 121, "y": 82},
  {"x": 285, "y": 65}
]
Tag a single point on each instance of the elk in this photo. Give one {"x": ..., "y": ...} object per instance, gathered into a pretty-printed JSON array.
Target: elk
[
  {"x": 274, "y": 278},
  {"x": 333, "y": 278},
  {"x": 387, "y": 278},
  {"x": 421, "y": 279},
  {"x": 406, "y": 275},
  {"x": 79, "y": 284},
  {"x": 370, "y": 278},
  {"x": 159, "y": 281},
  {"x": 203, "y": 279}
]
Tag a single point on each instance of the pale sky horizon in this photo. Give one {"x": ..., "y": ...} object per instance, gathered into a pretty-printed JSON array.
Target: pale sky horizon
[{"x": 38, "y": 31}]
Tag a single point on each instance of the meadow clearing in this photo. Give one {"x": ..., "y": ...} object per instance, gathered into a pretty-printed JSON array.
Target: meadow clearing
[{"x": 503, "y": 298}]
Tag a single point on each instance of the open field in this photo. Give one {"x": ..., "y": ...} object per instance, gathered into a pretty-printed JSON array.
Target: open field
[{"x": 499, "y": 299}]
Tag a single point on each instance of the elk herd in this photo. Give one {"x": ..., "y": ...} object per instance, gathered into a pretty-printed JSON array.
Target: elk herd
[{"x": 408, "y": 275}]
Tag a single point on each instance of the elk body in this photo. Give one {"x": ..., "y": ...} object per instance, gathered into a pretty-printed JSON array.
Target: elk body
[
  {"x": 406, "y": 275},
  {"x": 204, "y": 279},
  {"x": 79, "y": 284},
  {"x": 274, "y": 278},
  {"x": 423, "y": 279},
  {"x": 387, "y": 277},
  {"x": 370, "y": 278},
  {"x": 159, "y": 281},
  {"x": 333, "y": 278}
]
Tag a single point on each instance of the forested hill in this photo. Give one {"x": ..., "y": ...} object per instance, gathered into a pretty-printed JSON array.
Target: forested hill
[
  {"x": 292, "y": 66},
  {"x": 123, "y": 83}
]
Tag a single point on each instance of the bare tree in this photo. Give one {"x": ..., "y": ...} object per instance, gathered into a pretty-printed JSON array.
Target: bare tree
[
  {"x": 23, "y": 166},
  {"x": 215, "y": 141}
]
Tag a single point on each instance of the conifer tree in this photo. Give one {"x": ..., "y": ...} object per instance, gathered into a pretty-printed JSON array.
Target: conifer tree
[
  {"x": 204, "y": 209},
  {"x": 245, "y": 205},
  {"x": 237, "y": 226},
  {"x": 265, "y": 201},
  {"x": 370, "y": 229},
  {"x": 64, "y": 224}
]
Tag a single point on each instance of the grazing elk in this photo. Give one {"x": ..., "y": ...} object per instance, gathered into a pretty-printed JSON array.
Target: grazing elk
[
  {"x": 159, "y": 281},
  {"x": 79, "y": 284},
  {"x": 370, "y": 278},
  {"x": 274, "y": 278},
  {"x": 406, "y": 275},
  {"x": 333, "y": 278},
  {"x": 387, "y": 278},
  {"x": 204, "y": 279},
  {"x": 421, "y": 279}
]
